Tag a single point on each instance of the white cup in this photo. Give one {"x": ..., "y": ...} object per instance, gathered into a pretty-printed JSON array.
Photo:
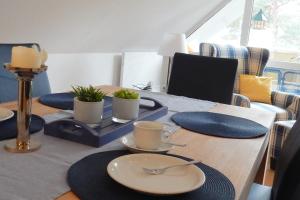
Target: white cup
[{"x": 149, "y": 135}]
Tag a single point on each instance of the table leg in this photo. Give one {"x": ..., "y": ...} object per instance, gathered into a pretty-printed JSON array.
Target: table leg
[{"x": 260, "y": 176}]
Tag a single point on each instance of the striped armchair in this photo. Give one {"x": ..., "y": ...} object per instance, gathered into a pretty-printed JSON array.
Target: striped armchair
[{"x": 252, "y": 61}]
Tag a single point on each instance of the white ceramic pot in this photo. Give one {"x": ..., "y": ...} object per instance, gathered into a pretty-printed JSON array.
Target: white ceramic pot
[
  {"x": 125, "y": 109},
  {"x": 88, "y": 112}
]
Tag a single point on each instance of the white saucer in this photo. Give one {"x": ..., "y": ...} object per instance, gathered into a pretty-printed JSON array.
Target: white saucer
[
  {"x": 127, "y": 170},
  {"x": 128, "y": 141},
  {"x": 5, "y": 114}
]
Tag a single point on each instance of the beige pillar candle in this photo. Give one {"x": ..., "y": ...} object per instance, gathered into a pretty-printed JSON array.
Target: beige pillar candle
[
  {"x": 26, "y": 57},
  {"x": 44, "y": 56}
]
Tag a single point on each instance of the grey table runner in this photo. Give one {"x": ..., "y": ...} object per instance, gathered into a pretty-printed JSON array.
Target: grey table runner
[
  {"x": 41, "y": 175},
  {"x": 179, "y": 103}
]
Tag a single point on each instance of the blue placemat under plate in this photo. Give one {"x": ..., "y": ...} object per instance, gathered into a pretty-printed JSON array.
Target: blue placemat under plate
[
  {"x": 65, "y": 100},
  {"x": 89, "y": 180},
  {"x": 220, "y": 125},
  {"x": 9, "y": 127}
]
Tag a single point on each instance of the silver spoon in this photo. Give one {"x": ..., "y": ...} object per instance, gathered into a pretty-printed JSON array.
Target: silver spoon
[{"x": 157, "y": 171}]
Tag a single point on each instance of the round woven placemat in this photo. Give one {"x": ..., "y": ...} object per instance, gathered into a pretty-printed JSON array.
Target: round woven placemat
[
  {"x": 9, "y": 127},
  {"x": 89, "y": 180},
  {"x": 216, "y": 124},
  {"x": 65, "y": 100}
]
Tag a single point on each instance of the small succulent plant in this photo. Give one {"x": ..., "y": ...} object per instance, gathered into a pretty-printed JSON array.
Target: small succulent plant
[
  {"x": 88, "y": 94},
  {"x": 126, "y": 94}
]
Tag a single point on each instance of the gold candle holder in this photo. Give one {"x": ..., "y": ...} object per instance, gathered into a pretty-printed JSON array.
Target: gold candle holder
[{"x": 23, "y": 144}]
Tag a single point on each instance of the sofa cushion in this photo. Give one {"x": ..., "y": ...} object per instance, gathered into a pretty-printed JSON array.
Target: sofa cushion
[
  {"x": 259, "y": 192},
  {"x": 256, "y": 88},
  {"x": 281, "y": 114},
  {"x": 287, "y": 124}
]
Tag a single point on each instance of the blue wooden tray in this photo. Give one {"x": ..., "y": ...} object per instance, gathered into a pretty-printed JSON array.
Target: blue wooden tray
[{"x": 107, "y": 131}]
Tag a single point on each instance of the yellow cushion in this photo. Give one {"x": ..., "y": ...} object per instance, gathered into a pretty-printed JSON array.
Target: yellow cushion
[{"x": 256, "y": 88}]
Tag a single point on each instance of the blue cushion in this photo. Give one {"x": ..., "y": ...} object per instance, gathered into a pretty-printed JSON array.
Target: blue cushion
[
  {"x": 9, "y": 83},
  {"x": 202, "y": 77},
  {"x": 259, "y": 192}
]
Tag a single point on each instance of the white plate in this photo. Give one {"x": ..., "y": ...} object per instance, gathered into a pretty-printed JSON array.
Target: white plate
[
  {"x": 5, "y": 114},
  {"x": 128, "y": 141},
  {"x": 127, "y": 170}
]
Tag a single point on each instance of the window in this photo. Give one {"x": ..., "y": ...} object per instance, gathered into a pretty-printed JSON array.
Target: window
[
  {"x": 281, "y": 33},
  {"x": 223, "y": 28}
]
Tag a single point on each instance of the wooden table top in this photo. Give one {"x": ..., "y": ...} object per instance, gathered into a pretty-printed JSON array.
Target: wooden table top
[{"x": 238, "y": 159}]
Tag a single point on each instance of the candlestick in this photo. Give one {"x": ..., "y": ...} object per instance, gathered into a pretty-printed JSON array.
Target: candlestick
[{"x": 22, "y": 143}]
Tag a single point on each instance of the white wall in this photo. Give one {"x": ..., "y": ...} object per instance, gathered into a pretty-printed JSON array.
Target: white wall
[
  {"x": 75, "y": 26},
  {"x": 93, "y": 27},
  {"x": 65, "y": 70}
]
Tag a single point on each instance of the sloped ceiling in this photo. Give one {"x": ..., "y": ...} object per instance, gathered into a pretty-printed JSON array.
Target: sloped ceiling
[{"x": 74, "y": 26}]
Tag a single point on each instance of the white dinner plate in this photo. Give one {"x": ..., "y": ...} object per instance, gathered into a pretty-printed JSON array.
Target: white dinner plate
[
  {"x": 128, "y": 141},
  {"x": 128, "y": 171},
  {"x": 5, "y": 114}
]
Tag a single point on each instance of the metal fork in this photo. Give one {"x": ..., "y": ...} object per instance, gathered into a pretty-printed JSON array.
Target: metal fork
[
  {"x": 174, "y": 144},
  {"x": 157, "y": 171}
]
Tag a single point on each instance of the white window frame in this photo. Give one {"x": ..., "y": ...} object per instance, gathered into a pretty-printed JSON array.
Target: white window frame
[{"x": 246, "y": 22}]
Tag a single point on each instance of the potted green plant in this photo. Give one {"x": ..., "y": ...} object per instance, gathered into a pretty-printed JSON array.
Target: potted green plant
[
  {"x": 88, "y": 104},
  {"x": 125, "y": 105}
]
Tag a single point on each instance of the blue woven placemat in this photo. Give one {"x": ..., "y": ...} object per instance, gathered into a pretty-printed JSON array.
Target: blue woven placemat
[
  {"x": 89, "y": 180},
  {"x": 65, "y": 101},
  {"x": 9, "y": 127},
  {"x": 220, "y": 125}
]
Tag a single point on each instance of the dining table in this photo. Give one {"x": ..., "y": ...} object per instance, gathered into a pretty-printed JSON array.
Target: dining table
[{"x": 242, "y": 161}]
